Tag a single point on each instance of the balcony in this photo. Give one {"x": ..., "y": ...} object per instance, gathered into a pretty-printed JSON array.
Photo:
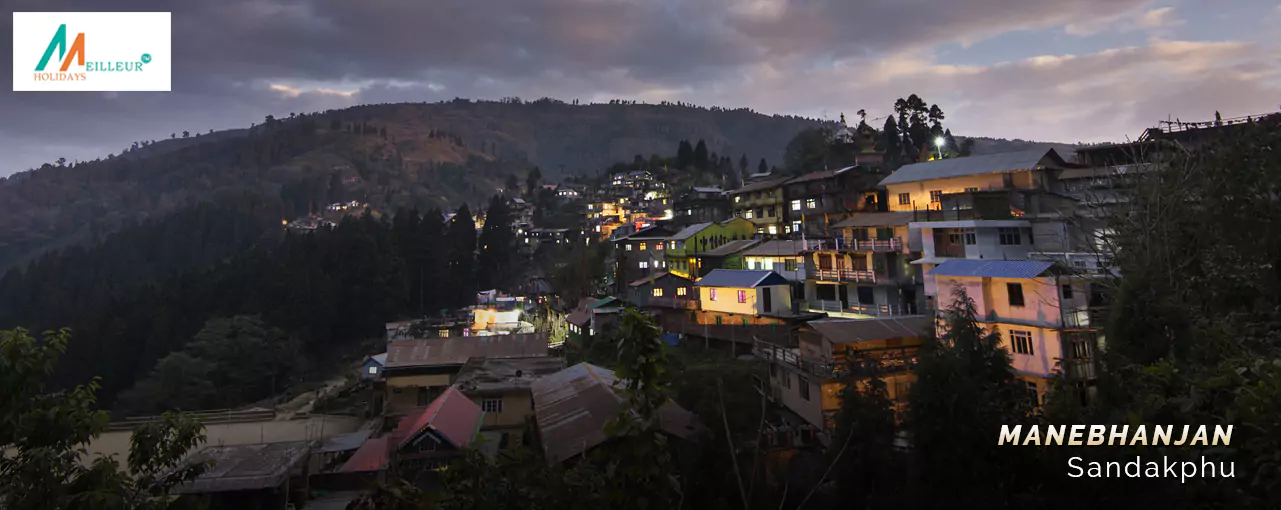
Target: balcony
[
  {"x": 1088, "y": 318},
  {"x": 1079, "y": 369},
  {"x": 845, "y": 275},
  {"x": 861, "y": 364},
  {"x": 673, "y": 302},
  {"x": 877, "y": 310},
  {"x": 1086, "y": 263}
]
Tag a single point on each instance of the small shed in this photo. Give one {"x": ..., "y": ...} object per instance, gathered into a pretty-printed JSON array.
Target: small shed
[{"x": 372, "y": 369}]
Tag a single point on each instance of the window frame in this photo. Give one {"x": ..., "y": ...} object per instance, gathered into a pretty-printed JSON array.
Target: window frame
[
  {"x": 936, "y": 196},
  {"x": 492, "y": 405},
  {"x": 904, "y": 199},
  {"x": 1013, "y": 289},
  {"x": 1021, "y": 342},
  {"x": 742, "y": 296},
  {"x": 1009, "y": 236}
]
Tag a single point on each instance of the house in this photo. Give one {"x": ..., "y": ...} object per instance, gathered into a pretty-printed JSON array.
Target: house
[
  {"x": 820, "y": 199},
  {"x": 684, "y": 247},
  {"x": 590, "y": 315},
  {"x": 785, "y": 257},
  {"x": 573, "y": 406},
  {"x": 427, "y": 438},
  {"x": 640, "y": 254},
  {"x": 726, "y": 256},
  {"x": 743, "y": 297},
  {"x": 417, "y": 371},
  {"x": 1046, "y": 315},
  {"x": 501, "y": 387},
  {"x": 262, "y": 475},
  {"x": 701, "y": 205},
  {"x": 921, "y": 186},
  {"x": 808, "y": 376},
  {"x": 867, "y": 269},
  {"x": 372, "y": 368},
  {"x": 665, "y": 290},
  {"x": 762, "y": 203}
]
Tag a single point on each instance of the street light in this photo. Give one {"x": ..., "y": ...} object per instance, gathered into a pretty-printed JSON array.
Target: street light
[{"x": 940, "y": 142}]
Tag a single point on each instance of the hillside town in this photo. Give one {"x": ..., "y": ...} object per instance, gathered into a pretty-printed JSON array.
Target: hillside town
[{"x": 820, "y": 281}]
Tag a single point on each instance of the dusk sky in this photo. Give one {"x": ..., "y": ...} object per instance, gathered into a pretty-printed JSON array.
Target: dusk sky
[{"x": 1050, "y": 70}]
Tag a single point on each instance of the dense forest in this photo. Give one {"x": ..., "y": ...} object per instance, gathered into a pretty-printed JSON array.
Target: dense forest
[{"x": 145, "y": 292}]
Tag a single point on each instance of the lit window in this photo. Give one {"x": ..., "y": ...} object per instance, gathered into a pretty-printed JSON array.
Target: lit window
[
  {"x": 1015, "y": 291},
  {"x": 682, "y": 291},
  {"x": 904, "y": 199},
  {"x": 373, "y": 370},
  {"x": 789, "y": 265},
  {"x": 629, "y": 247},
  {"x": 936, "y": 196},
  {"x": 971, "y": 190},
  {"x": 711, "y": 294},
  {"x": 644, "y": 264},
  {"x": 796, "y": 226},
  {"x": 811, "y": 203},
  {"x": 1022, "y": 342},
  {"x": 796, "y": 205},
  {"x": 642, "y": 246},
  {"x": 773, "y": 230},
  {"x": 742, "y": 296},
  {"x": 748, "y": 214},
  {"x": 1009, "y": 236},
  {"x": 492, "y": 405},
  {"x": 658, "y": 292}
]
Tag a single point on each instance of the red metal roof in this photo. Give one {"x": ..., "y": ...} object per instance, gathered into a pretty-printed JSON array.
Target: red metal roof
[
  {"x": 372, "y": 456},
  {"x": 454, "y": 416}
]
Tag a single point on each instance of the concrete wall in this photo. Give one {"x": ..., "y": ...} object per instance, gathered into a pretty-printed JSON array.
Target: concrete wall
[
  {"x": 516, "y": 408},
  {"x": 1047, "y": 349},
  {"x": 786, "y": 381},
  {"x": 920, "y": 191}
]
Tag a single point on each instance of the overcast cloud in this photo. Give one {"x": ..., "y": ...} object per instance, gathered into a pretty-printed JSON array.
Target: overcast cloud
[{"x": 1055, "y": 70}]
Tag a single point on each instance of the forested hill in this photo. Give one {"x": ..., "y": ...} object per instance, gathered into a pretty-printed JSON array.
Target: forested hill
[{"x": 389, "y": 155}]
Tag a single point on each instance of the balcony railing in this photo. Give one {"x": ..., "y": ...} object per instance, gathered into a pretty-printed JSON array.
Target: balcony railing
[
  {"x": 846, "y": 275},
  {"x": 1082, "y": 369},
  {"x": 1089, "y": 263},
  {"x": 674, "y": 302},
  {"x": 891, "y": 244},
  {"x": 864, "y": 364},
  {"x": 877, "y": 310},
  {"x": 1084, "y": 318}
]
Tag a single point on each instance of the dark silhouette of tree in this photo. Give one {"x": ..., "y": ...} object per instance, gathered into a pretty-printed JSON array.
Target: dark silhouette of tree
[{"x": 701, "y": 160}]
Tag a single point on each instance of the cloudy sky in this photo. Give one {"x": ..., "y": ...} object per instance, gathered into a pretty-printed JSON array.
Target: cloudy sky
[{"x": 1053, "y": 70}]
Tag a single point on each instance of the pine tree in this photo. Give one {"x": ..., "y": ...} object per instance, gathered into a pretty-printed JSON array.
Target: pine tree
[
  {"x": 493, "y": 264},
  {"x": 892, "y": 143},
  {"x": 701, "y": 160},
  {"x": 684, "y": 155},
  {"x": 461, "y": 287}
]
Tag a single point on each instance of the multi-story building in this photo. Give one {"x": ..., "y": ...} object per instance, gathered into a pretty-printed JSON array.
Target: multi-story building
[
  {"x": 418, "y": 371},
  {"x": 701, "y": 205},
  {"x": 866, "y": 269},
  {"x": 640, "y": 254},
  {"x": 1048, "y": 316},
  {"x": 819, "y": 200},
  {"x": 501, "y": 387},
  {"x": 785, "y": 257},
  {"x": 921, "y": 186},
  {"x": 761, "y": 203},
  {"x": 685, "y": 246},
  {"x": 809, "y": 373}
]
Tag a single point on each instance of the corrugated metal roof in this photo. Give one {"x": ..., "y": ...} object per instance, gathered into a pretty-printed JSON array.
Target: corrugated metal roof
[
  {"x": 992, "y": 268},
  {"x": 741, "y": 278},
  {"x": 713, "y": 189},
  {"x": 246, "y": 466},
  {"x": 777, "y": 248},
  {"x": 380, "y": 359},
  {"x": 372, "y": 456},
  {"x": 602, "y": 302},
  {"x": 973, "y": 165},
  {"x": 579, "y": 317},
  {"x": 457, "y": 350},
  {"x": 452, "y": 415},
  {"x": 879, "y": 219},
  {"x": 572, "y": 407},
  {"x": 772, "y": 183},
  {"x": 689, "y": 231},
  {"x": 730, "y": 248},
  {"x": 346, "y": 442},
  {"x": 656, "y": 277},
  {"x": 862, "y": 330},
  {"x": 813, "y": 176},
  {"x": 492, "y": 375}
]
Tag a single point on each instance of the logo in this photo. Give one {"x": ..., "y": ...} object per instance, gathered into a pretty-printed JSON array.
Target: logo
[{"x": 91, "y": 51}]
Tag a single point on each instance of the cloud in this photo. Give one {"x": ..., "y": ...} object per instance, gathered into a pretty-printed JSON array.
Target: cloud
[{"x": 243, "y": 59}]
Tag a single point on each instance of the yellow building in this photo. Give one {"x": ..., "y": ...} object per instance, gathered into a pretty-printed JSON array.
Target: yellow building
[
  {"x": 741, "y": 296},
  {"x": 921, "y": 186},
  {"x": 418, "y": 371},
  {"x": 501, "y": 387}
]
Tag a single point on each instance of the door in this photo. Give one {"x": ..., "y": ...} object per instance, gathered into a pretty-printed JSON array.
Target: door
[
  {"x": 767, "y": 294},
  {"x": 842, "y": 294}
]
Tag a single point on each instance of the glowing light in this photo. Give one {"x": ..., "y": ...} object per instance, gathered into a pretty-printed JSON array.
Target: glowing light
[{"x": 940, "y": 141}]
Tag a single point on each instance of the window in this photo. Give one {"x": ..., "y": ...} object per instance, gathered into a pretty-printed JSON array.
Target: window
[
  {"x": 811, "y": 203},
  {"x": 1009, "y": 236},
  {"x": 971, "y": 238},
  {"x": 742, "y": 296},
  {"x": 1015, "y": 291},
  {"x": 1067, "y": 291},
  {"x": 642, "y": 246},
  {"x": 658, "y": 292},
  {"x": 770, "y": 211},
  {"x": 789, "y": 265},
  {"x": 1022, "y": 342},
  {"x": 658, "y": 246},
  {"x": 491, "y": 405},
  {"x": 796, "y": 205},
  {"x": 719, "y": 320},
  {"x": 796, "y": 226},
  {"x": 787, "y": 379},
  {"x": 971, "y": 190},
  {"x": 644, "y": 264},
  {"x": 760, "y": 212},
  {"x": 711, "y": 294},
  {"x": 682, "y": 291},
  {"x": 748, "y": 214},
  {"x": 936, "y": 196},
  {"x": 629, "y": 247},
  {"x": 373, "y": 370},
  {"x": 738, "y": 198},
  {"x": 1032, "y": 393},
  {"x": 904, "y": 199},
  {"x": 773, "y": 229},
  {"x": 804, "y": 388}
]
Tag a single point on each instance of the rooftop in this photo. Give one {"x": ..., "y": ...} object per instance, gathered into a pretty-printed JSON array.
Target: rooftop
[
  {"x": 863, "y": 330},
  {"x": 758, "y": 186},
  {"x": 246, "y": 467},
  {"x": 777, "y": 248},
  {"x": 572, "y": 407},
  {"x": 457, "y": 350},
  {"x": 689, "y": 231},
  {"x": 453, "y": 416},
  {"x": 740, "y": 278},
  {"x": 878, "y": 219},
  {"x": 505, "y": 374},
  {"x": 655, "y": 277},
  {"x": 992, "y": 268},
  {"x": 730, "y": 248},
  {"x": 975, "y": 165}
]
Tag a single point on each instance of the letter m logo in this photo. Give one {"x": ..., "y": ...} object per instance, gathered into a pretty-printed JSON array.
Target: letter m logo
[{"x": 59, "y": 43}]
